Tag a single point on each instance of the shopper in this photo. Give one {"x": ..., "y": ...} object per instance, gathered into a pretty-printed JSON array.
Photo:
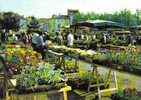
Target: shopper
[
  {"x": 40, "y": 45},
  {"x": 70, "y": 39},
  {"x": 35, "y": 40},
  {"x": 59, "y": 38}
]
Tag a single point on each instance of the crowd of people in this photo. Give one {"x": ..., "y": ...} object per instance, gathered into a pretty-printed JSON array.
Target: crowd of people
[
  {"x": 35, "y": 38},
  {"x": 64, "y": 38},
  {"x": 38, "y": 39}
]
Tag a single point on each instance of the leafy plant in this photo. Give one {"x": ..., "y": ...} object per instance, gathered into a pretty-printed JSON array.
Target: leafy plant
[
  {"x": 127, "y": 94},
  {"x": 130, "y": 56},
  {"x": 42, "y": 73},
  {"x": 2, "y": 46},
  {"x": 70, "y": 65},
  {"x": 90, "y": 77}
]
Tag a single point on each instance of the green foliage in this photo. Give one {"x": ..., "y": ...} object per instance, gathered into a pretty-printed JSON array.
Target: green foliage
[
  {"x": 90, "y": 77},
  {"x": 10, "y": 20},
  {"x": 124, "y": 16},
  {"x": 79, "y": 17},
  {"x": 111, "y": 41},
  {"x": 2, "y": 46},
  {"x": 20, "y": 43},
  {"x": 120, "y": 42},
  {"x": 97, "y": 41},
  {"x": 128, "y": 57},
  {"x": 16, "y": 58},
  {"x": 116, "y": 42},
  {"x": 70, "y": 65},
  {"x": 42, "y": 73},
  {"x": 129, "y": 94}
]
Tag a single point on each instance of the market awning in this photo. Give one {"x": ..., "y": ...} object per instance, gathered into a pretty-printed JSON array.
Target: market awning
[
  {"x": 122, "y": 32},
  {"x": 67, "y": 26},
  {"x": 100, "y": 24},
  {"x": 136, "y": 27}
]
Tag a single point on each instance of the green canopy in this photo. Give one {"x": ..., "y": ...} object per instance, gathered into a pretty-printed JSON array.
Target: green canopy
[{"x": 100, "y": 24}]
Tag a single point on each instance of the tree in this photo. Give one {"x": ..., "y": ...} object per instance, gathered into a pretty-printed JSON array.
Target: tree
[
  {"x": 79, "y": 17},
  {"x": 33, "y": 24},
  {"x": 138, "y": 16},
  {"x": 133, "y": 20},
  {"x": 9, "y": 21},
  {"x": 125, "y": 17},
  {"x": 116, "y": 16}
]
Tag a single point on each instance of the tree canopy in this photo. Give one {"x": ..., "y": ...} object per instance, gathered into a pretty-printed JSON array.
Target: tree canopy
[
  {"x": 124, "y": 16},
  {"x": 9, "y": 21}
]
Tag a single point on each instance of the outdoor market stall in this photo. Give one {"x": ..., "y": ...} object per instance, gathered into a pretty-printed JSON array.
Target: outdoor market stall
[{"x": 90, "y": 29}]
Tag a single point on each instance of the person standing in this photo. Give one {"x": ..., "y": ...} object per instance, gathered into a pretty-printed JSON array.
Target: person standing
[
  {"x": 30, "y": 38},
  {"x": 70, "y": 39},
  {"x": 34, "y": 41},
  {"x": 104, "y": 38},
  {"x": 24, "y": 38},
  {"x": 40, "y": 45},
  {"x": 59, "y": 38}
]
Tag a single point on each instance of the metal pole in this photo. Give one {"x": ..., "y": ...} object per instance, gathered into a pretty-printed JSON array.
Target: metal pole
[
  {"x": 108, "y": 78},
  {"x": 65, "y": 95},
  {"x": 6, "y": 88},
  {"x": 7, "y": 95},
  {"x": 34, "y": 97},
  {"x": 116, "y": 84},
  {"x": 99, "y": 93}
]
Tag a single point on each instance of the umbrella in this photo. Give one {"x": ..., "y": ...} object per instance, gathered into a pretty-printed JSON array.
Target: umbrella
[{"x": 100, "y": 24}]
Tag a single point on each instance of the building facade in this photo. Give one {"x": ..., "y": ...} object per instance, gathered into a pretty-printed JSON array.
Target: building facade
[{"x": 56, "y": 23}]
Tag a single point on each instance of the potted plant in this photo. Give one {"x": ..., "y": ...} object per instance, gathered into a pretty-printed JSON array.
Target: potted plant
[
  {"x": 35, "y": 76},
  {"x": 69, "y": 66},
  {"x": 127, "y": 94},
  {"x": 16, "y": 58}
]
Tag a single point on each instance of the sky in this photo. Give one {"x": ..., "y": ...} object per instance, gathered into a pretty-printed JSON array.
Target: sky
[{"x": 46, "y": 8}]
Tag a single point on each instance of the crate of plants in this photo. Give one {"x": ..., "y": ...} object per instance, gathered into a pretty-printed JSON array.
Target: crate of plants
[
  {"x": 54, "y": 48},
  {"x": 17, "y": 44},
  {"x": 83, "y": 54},
  {"x": 88, "y": 55},
  {"x": 91, "y": 55},
  {"x": 87, "y": 58},
  {"x": 85, "y": 81},
  {"x": 60, "y": 48},
  {"x": 136, "y": 69},
  {"x": 74, "y": 53},
  {"x": 125, "y": 58},
  {"x": 51, "y": 58},
  {"x": 41, "y": 77},
  {"x": 70, "y": 66},
  {"x": 12, "y": 46},
  {"x": 26, "y": 46},
  {"x": 127, "y": 94}
]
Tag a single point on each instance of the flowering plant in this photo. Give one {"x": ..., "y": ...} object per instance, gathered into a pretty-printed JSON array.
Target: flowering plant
[
  {"x": 18, "y": 57},
  {"x": 128, "y": 56}
]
